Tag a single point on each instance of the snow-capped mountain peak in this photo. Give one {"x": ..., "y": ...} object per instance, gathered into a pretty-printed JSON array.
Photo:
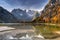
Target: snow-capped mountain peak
[{"x": 23, "y": 14}]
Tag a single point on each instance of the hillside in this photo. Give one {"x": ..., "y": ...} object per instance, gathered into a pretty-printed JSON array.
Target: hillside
[
  {"x": 6, "y": 17},
  {"x": 51, "y": 12}
]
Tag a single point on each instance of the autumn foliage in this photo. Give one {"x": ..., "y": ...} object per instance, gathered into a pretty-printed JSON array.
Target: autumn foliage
[{"x": 51, "y": 12}]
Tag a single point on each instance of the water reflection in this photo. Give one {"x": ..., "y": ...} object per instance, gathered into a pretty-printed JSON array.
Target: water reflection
[
  {"x": 38, "y": 32},
  {"x": 26, "y": 37},
  {"x": 48, "y": 31}
]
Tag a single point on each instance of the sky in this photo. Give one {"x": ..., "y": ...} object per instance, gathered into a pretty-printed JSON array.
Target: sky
[{"x": 23, "y": 4}]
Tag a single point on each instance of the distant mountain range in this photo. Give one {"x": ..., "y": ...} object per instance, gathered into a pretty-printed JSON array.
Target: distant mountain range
[
  {"x": 22, "y": 15},
  {"x": 16, "y": 16}
]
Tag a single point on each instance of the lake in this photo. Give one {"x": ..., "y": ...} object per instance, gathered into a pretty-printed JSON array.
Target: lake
[{"x": 30, "y": 32}]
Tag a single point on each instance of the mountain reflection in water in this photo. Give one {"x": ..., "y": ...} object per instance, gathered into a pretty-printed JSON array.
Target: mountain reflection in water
[
  {"x": 31, "y": 32},
  {"x": 26, "y": 37}
]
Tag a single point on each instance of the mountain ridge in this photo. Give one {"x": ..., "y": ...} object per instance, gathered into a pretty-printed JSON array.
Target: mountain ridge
[
  {"x": 6, "y": 17},
  {"x": 50, "y": 13}
]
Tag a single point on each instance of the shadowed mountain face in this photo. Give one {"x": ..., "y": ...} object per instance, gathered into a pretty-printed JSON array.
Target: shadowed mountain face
[
  {"x": 6, "y": 17},
  {"x": 22, "y": 15},
  {"x": 17, "y": 16}
]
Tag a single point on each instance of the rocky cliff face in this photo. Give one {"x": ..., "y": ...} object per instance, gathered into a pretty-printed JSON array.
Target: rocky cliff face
[
  {"x": 6, "y": 17},
  {"x": 22, "y": 15},
  {"x": 51, "y": 12}
]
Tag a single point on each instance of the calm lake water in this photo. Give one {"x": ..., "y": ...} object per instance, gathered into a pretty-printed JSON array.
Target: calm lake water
[{"x": 31, "y": 32}]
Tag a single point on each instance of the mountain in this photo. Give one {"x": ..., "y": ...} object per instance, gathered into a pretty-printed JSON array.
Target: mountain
[
  {"x": 6, "y": 17},
  {"x": 16, "y": 16},
  {"x": 30, "y": 13},
  {"x": 51, "y": 12},
  {"x": 22, "y": 15}
]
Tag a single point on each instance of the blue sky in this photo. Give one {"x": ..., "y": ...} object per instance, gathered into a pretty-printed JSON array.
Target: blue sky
[{"x": 23, "y": 4}]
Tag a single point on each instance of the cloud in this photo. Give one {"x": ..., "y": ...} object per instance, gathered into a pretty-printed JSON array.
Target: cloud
[
  {"x": 5, "y": 5},
  {"x": 26, "y": 4}
]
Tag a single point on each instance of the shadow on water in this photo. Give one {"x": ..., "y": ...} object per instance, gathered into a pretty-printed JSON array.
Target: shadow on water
[{"x": 47, "y": 31}]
